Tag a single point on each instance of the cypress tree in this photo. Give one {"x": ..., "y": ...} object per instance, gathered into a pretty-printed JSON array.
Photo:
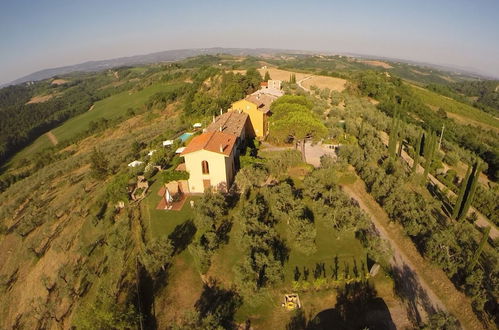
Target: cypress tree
[
  {"x": 418, "y": 152},
  {"x": 479, "y": 250},
  {"x": 429, "y": 153},
  {"x": 392, "y": 142},
  {"x": 470, "y": 193},
  {"x": 460, "y": 197},
  {"x": 401, "y": 139},
  {"x": 267, "y": 76}
]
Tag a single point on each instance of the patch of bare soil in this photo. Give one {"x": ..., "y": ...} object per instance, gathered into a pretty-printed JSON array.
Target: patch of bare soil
[
  {"x": 52, "y": 138},
  {"x": 58, "y": 82},
  {"x": 40, "y": 99},
  {"x": 381, "y": 64}
]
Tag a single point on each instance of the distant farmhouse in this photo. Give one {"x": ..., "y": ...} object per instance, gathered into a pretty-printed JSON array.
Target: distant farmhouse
[{"x": 212, "y": 158}]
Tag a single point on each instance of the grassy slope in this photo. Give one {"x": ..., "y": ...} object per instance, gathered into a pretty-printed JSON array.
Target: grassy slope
[
  {"x": 109, "y": 108},
  {"x": 456, "y": 107}
]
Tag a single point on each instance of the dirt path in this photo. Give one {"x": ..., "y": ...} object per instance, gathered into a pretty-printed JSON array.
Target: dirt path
[
  {"x": 482, "y": 220},
  {"x": 52, "y": 138},
  {"x": 423, "y": 287},
  {"x": 299, "y": 83}
]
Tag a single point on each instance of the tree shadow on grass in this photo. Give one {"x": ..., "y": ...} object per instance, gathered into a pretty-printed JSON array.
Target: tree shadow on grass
[
  {"x": 182, "y": 236},
  {"x": 410, "y": 291},
  {"x": 357, "y": 307},
  {"x": 146, "y": 298},
  {"x": 218, "y": 303}
]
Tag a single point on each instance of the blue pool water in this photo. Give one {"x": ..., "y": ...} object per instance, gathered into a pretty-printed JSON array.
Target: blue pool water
[{"x": 185, "y": 136}]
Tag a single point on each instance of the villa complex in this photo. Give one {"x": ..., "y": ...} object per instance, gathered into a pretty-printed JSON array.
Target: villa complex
[{"x": 212, "y": 158}]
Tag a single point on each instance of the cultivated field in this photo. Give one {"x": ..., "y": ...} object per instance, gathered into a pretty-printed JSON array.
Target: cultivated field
[
  {"x": 334, "y": 84},
  {"x": 283, "y": 75},
  {"x": 380, "y": 64}
]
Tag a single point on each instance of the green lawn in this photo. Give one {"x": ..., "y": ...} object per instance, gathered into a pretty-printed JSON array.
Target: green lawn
[
  {"x": 330, "y": 244},
  {"x": 162, "y": 222},
  {"x": 456, "y": 107}
]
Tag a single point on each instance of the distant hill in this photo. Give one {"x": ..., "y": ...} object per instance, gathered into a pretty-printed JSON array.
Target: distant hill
[
  {"x": 179, "y": 54},
  {"x": 165, "y": 56}
]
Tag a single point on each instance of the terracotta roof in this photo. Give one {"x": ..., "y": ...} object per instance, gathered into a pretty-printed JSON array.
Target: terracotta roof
[
  {"x": 218, "y": 142},
  {"x": 264, "y": 83},
  {"x": 262, "y": 101},
  {"x": 231, "y": 122}
]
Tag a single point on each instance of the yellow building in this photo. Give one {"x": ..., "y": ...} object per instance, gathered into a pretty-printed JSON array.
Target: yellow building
[
  {"x": 257, "y": 106},
  {"x": 210, "y": 161}
]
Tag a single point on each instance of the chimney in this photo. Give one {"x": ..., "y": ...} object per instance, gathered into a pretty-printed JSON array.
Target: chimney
[
  {"x": 221, "y": 148},
  {"x": 220, "y": 128},
  {"x": 221, "y": 112},
  {"x": 213, "y": 118}
]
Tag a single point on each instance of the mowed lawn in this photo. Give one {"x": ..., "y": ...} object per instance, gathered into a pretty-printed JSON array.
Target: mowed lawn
[
  {"x": 163, "y": 222},
  {"x": 108, "y": 108},
  {"x": 454, "y": 107}
]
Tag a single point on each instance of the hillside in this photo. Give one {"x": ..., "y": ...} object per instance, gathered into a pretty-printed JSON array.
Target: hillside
[{"x": 328, "y": 194}]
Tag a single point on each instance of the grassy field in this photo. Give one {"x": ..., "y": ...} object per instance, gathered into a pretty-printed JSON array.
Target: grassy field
[
  {"x": 109, "y": 108},
  {"x": 462, "y": 112},
  {"x": 161, "y": 222}
]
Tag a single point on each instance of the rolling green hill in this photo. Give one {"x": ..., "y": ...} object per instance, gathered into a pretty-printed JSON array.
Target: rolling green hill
[{"x": 463, "y": 110}]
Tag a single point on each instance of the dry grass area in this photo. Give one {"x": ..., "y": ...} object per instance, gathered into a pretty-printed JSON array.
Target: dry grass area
[
  {"x": 58, "y": 82},
  {"x": 419, "y": 72},
  {"x": 335, "y": 84},
  {"x": 183, "y": 290},
  {"x": 278, "y": 74},
  {"x": 40, "y": 98},
  {"x": 381, "y": 64}
]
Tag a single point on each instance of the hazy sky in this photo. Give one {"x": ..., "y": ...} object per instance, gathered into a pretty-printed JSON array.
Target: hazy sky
[{"x": 40, "y": 34}]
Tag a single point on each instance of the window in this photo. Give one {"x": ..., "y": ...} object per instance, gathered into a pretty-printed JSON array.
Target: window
[{"x": 204, "y": 165}]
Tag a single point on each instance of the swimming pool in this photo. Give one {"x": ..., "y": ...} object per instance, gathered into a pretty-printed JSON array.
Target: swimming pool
[{"x": 185, "y": 136}]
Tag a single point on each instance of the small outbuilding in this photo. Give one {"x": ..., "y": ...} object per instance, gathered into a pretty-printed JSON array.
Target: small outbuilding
[
  {"x": 167, "y": 143},
  {"x": 197, "y": 125}
]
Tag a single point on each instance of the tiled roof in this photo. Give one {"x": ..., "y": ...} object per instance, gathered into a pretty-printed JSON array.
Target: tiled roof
[
  {"x": 218, "y": 142},
  {"x": 231, "y": 122},
  {"x": 262, "y": 101}
]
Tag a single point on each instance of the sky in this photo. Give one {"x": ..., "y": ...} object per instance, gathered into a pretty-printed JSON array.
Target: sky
[{"x": 41, "y": 34}]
